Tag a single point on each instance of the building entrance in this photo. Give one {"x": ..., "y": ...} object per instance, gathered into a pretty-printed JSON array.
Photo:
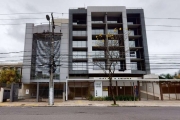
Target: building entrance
[{"x": 79, "y": 90}]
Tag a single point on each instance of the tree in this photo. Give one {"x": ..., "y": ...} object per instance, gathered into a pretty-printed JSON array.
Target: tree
[
  {"x": 9, "y": 75},
  {"x": 166, "y": 76},
  {"x": 114, "y": 52},
  {"x": 177, "y": 75}
]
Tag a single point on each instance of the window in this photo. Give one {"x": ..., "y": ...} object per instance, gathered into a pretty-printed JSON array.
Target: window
[
  {"x": 79, "y": 66},
  {"x": 79, "y": 44},
  {"x": 115, "y": 65},
  {"x": 79, "y": 54},
  {"x": 131, "y": 32},
  {"x": 97, "y": 43},
  {"x": 132, "y": 44},
  {"x": 133, "y": 65},
  {"x": 112, "y": 31},
  {"x": 97, "y": 31},
  {"x": 114, "y": 54},
  {"x": 98, "y": 54},
  {"x": 130, "y": 23},
  {"x": 79, "y": 33},
  {"x": 99, "y": 65},
  {"x": 113, "y": 42},
  {"x": 133, "y": 54}
]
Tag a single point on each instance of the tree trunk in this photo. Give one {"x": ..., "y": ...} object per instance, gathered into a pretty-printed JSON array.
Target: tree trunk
[{"x": 112, "y": 91}]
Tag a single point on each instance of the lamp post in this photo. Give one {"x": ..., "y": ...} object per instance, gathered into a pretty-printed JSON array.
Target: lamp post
[{"x": 51, "y": 83}]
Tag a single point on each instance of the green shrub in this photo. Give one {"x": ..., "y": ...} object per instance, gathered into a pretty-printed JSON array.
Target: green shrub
[
  {"x": 108, "y": 98},
  {"x": 90, "y": 97},
  {"x": 98, "y": 99}
]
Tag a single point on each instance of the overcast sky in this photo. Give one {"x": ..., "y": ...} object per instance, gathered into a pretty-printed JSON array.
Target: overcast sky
[{"x": 159, "y": 42}]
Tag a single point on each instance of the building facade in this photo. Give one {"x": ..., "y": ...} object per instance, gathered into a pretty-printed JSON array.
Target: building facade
[
  {"x": 81, "y": 61},
  {"x": 132, "y": 61}
]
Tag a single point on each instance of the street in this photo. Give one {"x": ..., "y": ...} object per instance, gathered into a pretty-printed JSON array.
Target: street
[{"x": 89, "y": 113}]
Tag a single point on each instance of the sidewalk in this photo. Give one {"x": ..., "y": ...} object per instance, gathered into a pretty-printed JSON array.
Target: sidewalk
[{"x": 96, "y": 103}]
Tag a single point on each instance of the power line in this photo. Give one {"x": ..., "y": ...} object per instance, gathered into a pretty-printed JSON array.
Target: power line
[{"x": 24, "y": 13}]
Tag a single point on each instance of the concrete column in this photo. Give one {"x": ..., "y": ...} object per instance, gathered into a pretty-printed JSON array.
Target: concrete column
[
  {"x": 64, "y": 92},
  {"x": 139, "y": 92},
  {"x": 37, "y": 92},
  {"x": 11, "y": 93},
  {"x": 66, "y": 89},
  {"x": 161, "y": 92},
  {"x": 1, "y": 94}
]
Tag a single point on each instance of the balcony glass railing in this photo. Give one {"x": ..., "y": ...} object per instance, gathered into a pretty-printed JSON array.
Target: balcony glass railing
[
  {"x": 79, "y": 44},
  {"x": 79, "y": 33},
  {"x": 97, "y": 43},
  {"x": 97, "y": 32},
  {"x": 132, "y": 44},
  {"x": 130, "y": 23},
  {"x": 97, "y": 21},
  {"x": 112, "y": 21}
]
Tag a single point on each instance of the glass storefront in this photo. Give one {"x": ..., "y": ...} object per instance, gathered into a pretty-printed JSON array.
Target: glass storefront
[{"x": 41, "y": 56}]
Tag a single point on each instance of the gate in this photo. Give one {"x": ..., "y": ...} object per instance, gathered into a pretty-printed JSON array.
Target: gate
[{"x": 14, "y": 92}]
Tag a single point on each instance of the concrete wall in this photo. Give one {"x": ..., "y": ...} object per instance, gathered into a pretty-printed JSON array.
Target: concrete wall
[
  {"x": 144, "y": 38},
  {"x": 71, "y": 12},
  {"x": 150, "y": 90},
  {"x": 32, "y": 91},
  {"x": 27, "y": 54},
  {"x": 64, "y": 50}
]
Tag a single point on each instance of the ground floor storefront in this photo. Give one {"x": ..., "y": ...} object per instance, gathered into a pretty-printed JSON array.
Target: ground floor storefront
[
  {"x": 83, "y": 89},
  {"x": 39, "y": 92},
  {"x": 76, "y": 89}
]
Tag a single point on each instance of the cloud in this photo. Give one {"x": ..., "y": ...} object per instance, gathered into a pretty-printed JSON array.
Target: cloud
[{"x": 12, "y": 36}]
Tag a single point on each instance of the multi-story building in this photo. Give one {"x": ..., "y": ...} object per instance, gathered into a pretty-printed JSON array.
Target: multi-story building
[{"x": 76, "y": 51}]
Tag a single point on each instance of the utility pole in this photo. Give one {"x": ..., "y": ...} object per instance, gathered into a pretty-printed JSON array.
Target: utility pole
[{"x": 51, "y": 83}]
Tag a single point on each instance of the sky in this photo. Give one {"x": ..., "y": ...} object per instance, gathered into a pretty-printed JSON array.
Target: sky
[{"x": 162, "y": 20}]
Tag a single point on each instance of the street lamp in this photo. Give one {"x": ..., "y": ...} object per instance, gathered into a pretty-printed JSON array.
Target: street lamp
[{"x": 51, "y": 84}]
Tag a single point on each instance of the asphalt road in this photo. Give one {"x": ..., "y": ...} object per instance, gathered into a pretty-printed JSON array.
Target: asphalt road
[{"x": 89, "y": 113}]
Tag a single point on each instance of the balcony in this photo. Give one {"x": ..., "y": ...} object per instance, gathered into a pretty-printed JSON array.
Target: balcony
[
  {"x": 79, "y": 26},
  {"x": 79, "y": 33},
  {"x": 97, "y": 31},
  {"x": 133, "y": 26}
]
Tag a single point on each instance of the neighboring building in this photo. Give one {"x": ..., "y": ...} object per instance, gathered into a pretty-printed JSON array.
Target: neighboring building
[{"x": 74, "y": 52}]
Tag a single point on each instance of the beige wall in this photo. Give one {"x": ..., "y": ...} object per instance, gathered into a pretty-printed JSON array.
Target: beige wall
[
  {"x": 32, "y": 91},
  {"x": 150, "y": 90}
]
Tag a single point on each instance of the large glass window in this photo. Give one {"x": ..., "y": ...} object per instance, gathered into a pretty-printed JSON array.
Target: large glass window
[
  {"x": 99, "y": 65},
  {"x": 113, "y": 42},
  {"x": 112, "y": 31},
  {"x": 97, "y": 31},
  {"x": 97, "y": 43},
  {"x": 132, "y": 44},
  {"x": 115, "y": 65},
  {"x": 79, "y": 66},
  {"x": 79, "y": 44},
  {"x": 114, "y": 54},
  {"x": 131, "y": 32},
  {"x": 133, "y": 65},
  {"x": 79, "y": 54},
  {"x": 98, "y": 54},
  {"x": 130, "y": 23},
  {"x": 79, "y": 33},
  {"x": 41, "y": 57}
]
